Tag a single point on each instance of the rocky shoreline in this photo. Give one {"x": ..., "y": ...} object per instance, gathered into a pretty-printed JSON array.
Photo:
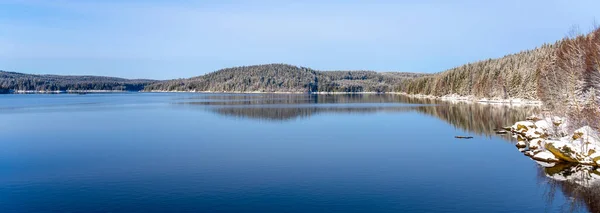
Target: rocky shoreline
[
  {"x": 566, "y": 156},
  {"x": 548, "y": 140}
]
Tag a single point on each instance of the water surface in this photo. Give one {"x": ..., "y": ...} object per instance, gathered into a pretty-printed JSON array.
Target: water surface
[{"x": 183, "y": 152}]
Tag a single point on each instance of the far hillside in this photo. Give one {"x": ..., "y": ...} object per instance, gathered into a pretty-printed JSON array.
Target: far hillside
[
  {"x": 286, "y": 78},
  {"x": 13, "y": 81}
]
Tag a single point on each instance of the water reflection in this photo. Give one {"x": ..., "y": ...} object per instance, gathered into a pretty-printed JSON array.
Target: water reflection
[
  {"x": 279, "y": 114},
  {"x": 480, "y": 119},
  {"x": 194, "y": 164},
  {"x": 580, "y": 183}
]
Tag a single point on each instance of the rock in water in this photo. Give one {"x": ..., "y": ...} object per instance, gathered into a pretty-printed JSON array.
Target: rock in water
[
  {"x": 501, "y": 132},
  {"x": 521, "y": 144}
]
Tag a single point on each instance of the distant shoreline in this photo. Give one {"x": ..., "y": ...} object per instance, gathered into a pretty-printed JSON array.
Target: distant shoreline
[
  {"x": 262, "y": 92},
  {"x": 64, "y": 91},
  {"x": 447, "y": 98}
]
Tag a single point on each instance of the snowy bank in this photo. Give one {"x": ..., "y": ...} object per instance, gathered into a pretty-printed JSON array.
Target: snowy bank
[{"x": 454, "y": 98}]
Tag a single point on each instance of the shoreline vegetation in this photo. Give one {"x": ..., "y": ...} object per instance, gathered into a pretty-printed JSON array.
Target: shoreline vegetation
[{"x": 567, "y": 132}]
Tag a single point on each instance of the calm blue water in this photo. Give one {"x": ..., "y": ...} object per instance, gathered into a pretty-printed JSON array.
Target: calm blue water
[{"x": 263, "y": 153}]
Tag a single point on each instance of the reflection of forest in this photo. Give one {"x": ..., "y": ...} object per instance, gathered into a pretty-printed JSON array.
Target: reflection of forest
[
  {"x": 480, "y": 119},
  {"x": 580, "y": 183},
  {"x": 475, "y": 118},
  {"x": 241, "y": 99},
  {"x": 280, "y": 114}
]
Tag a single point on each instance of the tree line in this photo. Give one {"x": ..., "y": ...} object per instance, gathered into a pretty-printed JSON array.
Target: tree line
[{"x": 13, "y": 81}]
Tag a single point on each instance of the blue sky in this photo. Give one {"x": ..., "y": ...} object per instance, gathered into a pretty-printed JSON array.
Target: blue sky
[{"x": 176, "y": 39}]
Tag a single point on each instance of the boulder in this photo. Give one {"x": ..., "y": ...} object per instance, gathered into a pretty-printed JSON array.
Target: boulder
[
  {"x": 564, "y": 150},
  {"x": 520, "y": 137},
  {"x": 521, "y": 144},
  {"x": 536, "y": 143},
  {"x": 545, "y": 156},
  {"x": 587, "y": 134},
  {"x": 533, "y": 118},
  {"x": 557, "y": 121},
  {"x": 532, "y": 153},
  {"x": 522, "y": 127},
  {"x": 595, "y": 158},
  {"x": 534, "y": 133}
]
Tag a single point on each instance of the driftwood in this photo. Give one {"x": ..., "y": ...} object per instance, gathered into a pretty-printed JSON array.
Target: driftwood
[
  {"x": 501, "y": 131},
  {"x": 463, "y": 137}
]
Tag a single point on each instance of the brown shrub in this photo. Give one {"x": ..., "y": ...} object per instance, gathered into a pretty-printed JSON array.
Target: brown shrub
[{"x": 569, "y": 78}]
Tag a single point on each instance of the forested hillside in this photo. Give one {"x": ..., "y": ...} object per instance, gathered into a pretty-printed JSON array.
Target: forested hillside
[
  {"x": 285, "y": 78},
  {"x": 26, "y": 82},
  {"x": 563, "y": 73},
  {"x": 565, "y": 76},
  {"x": 513, "y": 76}
]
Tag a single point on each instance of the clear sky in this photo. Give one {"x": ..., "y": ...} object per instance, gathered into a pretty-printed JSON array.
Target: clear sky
[{"x": 176, "y": 39}]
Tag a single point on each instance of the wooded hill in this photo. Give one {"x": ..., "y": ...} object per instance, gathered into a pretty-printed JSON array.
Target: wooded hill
[
  {"x": 564, "y": 75},
  {"x": 19, "y": 81},
  {"x": 566, "y": 71},
  {"x": 512, "y": 76},
  {"x": 286, "y": 78}
]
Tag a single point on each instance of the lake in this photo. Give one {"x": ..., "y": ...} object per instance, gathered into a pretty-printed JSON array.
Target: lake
[{"x": 188, "y": 152}]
